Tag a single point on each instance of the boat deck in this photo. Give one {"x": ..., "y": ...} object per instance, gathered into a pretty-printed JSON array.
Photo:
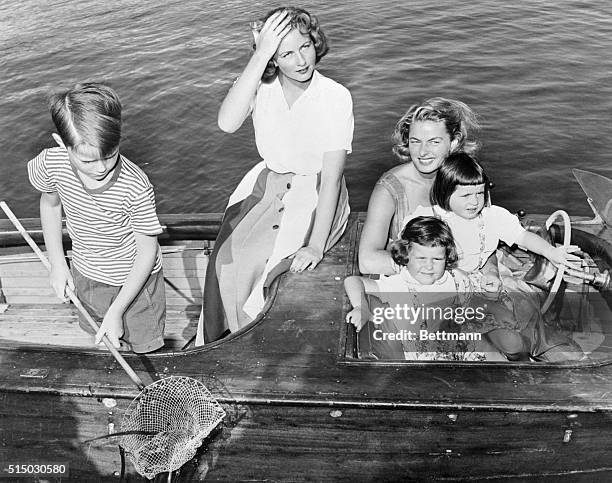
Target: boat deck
[{"x": 33, "y": 315}]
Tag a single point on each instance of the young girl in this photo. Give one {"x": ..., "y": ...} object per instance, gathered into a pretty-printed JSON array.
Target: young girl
[
  {"x": 292, "y": 206},
  {"x": 460, "y": 197},
  {"x": 426, "y": 254}
]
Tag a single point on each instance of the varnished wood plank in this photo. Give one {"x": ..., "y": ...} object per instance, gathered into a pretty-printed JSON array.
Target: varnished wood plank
[
  {"x": 48, "y": 429},
  {"x": 362, "y": 445},
  {"x": 314, "y": 445},
  {"x": 58, "y": 325},
  {"x": 26, "y": 299}
]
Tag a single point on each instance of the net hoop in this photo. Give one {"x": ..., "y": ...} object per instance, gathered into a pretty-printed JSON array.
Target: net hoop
[{"x": 167, "y": 422}]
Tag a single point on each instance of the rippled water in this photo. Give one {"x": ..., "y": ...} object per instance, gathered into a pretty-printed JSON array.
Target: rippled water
[{"x": 537, "y": 72}]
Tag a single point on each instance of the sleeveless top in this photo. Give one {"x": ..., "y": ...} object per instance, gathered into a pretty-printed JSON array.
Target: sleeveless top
[{"x": 405, "y": 200}]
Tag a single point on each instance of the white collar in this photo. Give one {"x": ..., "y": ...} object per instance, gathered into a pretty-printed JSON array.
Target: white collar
[
  {"x": 311, "y": 90},
  {"x": 409, "y": 279}
]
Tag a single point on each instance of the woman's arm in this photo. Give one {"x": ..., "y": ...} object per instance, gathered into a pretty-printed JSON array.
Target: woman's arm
[
  {"x": 308, "y": 257},
  {"x": 373, "y": 258},
  {"x": 51, "y": 221},
  {"x": 146, "y": 252},
  {"x": 237, "y": 104}
]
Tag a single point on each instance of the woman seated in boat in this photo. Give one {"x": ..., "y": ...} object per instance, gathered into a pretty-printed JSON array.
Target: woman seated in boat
[
  {"x": 426, "y": 311},
  {"x": 460, "y": 197},
  {"x": 425, "y": 135},
  {"x": 290, "y": 208}
]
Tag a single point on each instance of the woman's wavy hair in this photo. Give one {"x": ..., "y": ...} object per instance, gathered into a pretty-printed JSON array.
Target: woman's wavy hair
[
  {"x": 428, "y": 231},
  {"x": 88, "y": 113},
  {"x": 456, "y": 170},
  {"x": 460, "y": 121},
  {"x": 306, "y": 24}
]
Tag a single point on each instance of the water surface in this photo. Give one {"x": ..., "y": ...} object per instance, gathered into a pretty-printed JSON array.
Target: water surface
[{"x": 537, "y": 72}]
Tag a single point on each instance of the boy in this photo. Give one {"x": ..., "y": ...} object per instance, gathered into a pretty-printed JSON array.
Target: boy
[{"x": 110, "y": 216}]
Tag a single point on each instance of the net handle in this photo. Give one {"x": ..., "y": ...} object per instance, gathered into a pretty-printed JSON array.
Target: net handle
[{"x": 43, "y": 258}]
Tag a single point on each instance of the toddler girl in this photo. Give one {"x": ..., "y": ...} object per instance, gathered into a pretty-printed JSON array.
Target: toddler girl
[{"x": 422, "y": 320}]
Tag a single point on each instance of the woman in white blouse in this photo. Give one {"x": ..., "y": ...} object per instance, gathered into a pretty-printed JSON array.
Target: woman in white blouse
[{"x": 292, "y": 206}]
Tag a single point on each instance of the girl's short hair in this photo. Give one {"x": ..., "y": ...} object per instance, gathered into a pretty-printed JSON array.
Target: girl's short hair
[
  {"x": 306, "y": 24},
  {"x": 456, "y": 170},
  {"x": 88, "y": 113},
  {"x": 428, "y": 231},
  {"x": 459, "y": 119}
]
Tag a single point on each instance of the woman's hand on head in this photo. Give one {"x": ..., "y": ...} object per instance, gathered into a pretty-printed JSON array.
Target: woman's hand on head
[
  {"x": 306, "y": 258},
  {"x": 272, "y": 33}
]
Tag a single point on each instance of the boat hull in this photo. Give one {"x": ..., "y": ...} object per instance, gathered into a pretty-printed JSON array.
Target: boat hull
[
  {"x": 301, "y": 408},
  {"x": 308, "y": 443}
]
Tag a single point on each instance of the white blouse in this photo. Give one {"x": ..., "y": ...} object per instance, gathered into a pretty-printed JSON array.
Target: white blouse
[
  {"x": 476, "y": 239},
  {"x": 293, "y": 139}
]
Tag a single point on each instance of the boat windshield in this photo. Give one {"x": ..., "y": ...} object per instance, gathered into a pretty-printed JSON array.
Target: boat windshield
[{"x": 598, "y": 189}]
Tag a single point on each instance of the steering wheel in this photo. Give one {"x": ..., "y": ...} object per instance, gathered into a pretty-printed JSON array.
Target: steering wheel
[{"x": 567, "y": 236}]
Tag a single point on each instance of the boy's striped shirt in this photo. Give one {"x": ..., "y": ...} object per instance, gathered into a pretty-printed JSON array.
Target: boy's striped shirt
[{"x": 101, "y": 222}]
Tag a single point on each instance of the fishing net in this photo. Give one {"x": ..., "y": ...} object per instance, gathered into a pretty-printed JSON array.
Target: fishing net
[{"x": 166, "y": 424}]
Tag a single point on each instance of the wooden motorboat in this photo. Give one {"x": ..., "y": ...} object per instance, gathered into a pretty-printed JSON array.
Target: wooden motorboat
[{"x": 300, "y": 402}]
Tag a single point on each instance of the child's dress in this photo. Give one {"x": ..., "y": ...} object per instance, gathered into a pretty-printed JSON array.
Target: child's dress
[
  {"x": 270, "y": 214},
  {"x": 476, "y": 240},
  {"x": 433, "y": 309}
]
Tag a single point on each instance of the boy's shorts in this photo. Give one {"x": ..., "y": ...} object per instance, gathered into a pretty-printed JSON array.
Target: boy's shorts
[{"x": 143, "y": 321}]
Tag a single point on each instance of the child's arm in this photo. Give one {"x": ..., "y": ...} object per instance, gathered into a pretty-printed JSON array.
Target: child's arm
[
  {"x": 309, "y": 256},
  {"x": 557, "y": 255},
  {"x": 237, "y": 104},
  {"x": 146, "y": 252},
  {"x": 51, "y": 220},
  {"x": 356, "y": 291}
]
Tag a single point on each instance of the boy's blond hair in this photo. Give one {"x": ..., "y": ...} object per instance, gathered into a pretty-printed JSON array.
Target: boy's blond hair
[{"x": 88, "y": 113}]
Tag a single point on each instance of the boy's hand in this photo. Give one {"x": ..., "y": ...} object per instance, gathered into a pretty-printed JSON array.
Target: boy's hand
[
  {"x": 59, "y": 278},
  {"x": 563, "y": 255},
  {"x": 359, "y": 317},
  {"x": 112, "y": 326}
]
